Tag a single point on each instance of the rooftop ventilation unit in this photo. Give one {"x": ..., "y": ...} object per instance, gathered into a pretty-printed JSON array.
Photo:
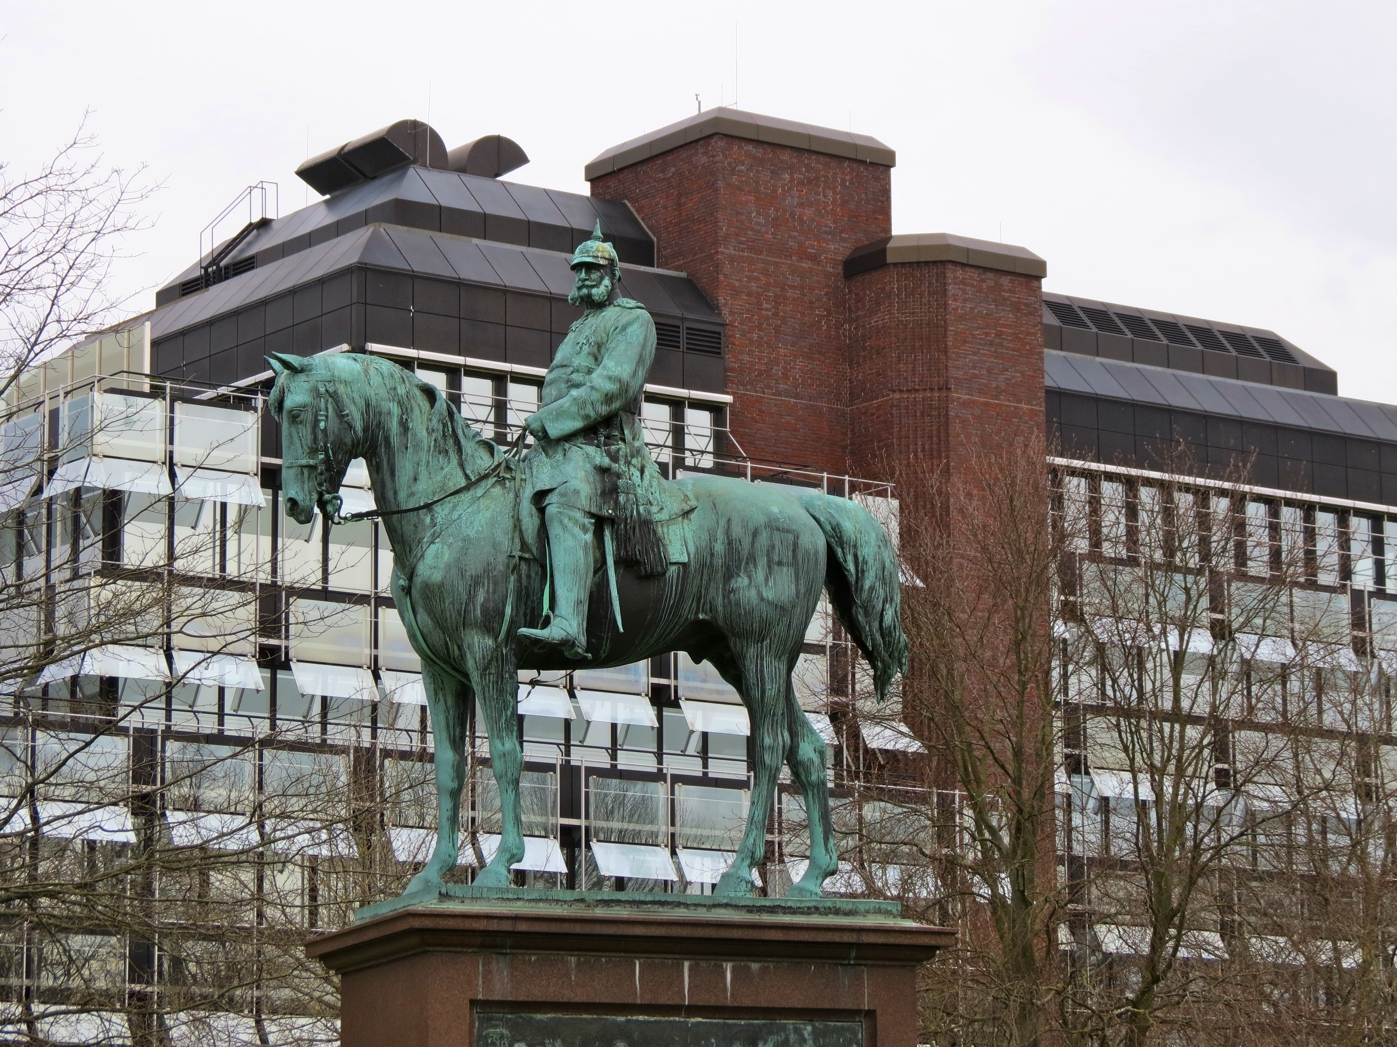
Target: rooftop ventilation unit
[
  {"x": 1066, "y": 314},
  {"x": 1101, "y": 320},
  {"x": 1173, "y": 333},
  {"x": 1242, "y": 344},
  {"x": 1208, "y": 338},
  {"x": 492, "y": 156},
  {"x": 388, "y": 148},
  {"x": 1138, "y": 326},
  {"x": 1275, "y": 349}
]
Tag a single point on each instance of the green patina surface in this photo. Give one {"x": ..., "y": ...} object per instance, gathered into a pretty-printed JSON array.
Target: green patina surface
[
  {"x": 578, "y": 553},
  {"x": 476, "y": 898}
]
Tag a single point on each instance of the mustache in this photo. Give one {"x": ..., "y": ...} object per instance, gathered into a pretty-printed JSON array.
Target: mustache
[{"x": 590, "y": 295}]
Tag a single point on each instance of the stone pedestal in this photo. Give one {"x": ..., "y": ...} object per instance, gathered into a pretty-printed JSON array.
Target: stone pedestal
[{"x": 492, "y": 968}]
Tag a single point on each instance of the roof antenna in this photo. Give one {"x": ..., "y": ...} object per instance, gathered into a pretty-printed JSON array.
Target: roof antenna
[{"x": 699, "y": 101}]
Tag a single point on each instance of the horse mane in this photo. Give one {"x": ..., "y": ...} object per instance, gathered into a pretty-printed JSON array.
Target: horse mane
[{"x": 445, "y": 420}]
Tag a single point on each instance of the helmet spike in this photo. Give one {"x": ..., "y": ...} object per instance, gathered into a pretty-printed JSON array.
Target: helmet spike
[{"x": 596, "y": 251}]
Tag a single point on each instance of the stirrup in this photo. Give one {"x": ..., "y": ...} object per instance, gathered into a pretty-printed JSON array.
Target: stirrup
[{"x": 555, "y": 636}]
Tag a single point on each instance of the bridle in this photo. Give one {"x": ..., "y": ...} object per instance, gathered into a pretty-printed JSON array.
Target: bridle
[{"x": 326, "y": 469}]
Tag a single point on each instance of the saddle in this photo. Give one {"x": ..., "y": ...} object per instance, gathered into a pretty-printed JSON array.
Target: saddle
[{"x": 673, "y": 527}]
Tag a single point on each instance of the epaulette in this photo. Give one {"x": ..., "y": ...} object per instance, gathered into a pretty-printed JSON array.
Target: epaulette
[{"x": 628, "y": 303}]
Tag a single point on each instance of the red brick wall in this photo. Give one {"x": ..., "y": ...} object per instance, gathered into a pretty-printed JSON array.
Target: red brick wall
[
  {"x": 764, "y": 230},
  {"x": 943, "y": 358}
]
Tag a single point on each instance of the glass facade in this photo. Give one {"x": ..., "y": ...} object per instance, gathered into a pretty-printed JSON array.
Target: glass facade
[{"x": 241, "y": 739}]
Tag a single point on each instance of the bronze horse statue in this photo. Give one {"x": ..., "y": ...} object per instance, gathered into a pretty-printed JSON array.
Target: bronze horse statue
[{"x": 755, "y": 558}]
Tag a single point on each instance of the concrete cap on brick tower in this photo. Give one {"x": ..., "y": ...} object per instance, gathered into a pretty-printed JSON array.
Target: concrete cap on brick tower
[
  {"x": 943, "y": 247},
  {"x": 739, "y": 124}
]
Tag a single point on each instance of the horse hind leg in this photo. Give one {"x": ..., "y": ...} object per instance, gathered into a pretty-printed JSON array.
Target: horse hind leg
[
  {"x": 765, "y": 679},
  {"x": 806, "y": 759},
  {"x": 498, "y": 690}
]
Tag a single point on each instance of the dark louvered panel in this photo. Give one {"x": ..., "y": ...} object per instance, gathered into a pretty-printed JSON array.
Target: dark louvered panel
[
  {"x": 1173, "y": 333},
  {"x": 1067, "y": 315},
  {"x": 242, "y": 265},
  {"x": 1275, "y": 349},
  {"x": 1102, "y": 320},
  {"x": 667, "y": 335},
  {"x": 703, "y": 340},
  {"x": 1208, "y": 338},
  {"x": 1138, "y": 326},
  {"x": 1242, "y": 344}
]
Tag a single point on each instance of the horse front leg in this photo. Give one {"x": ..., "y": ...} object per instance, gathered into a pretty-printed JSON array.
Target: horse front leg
[
  {"x": 448, "y": 702},
  {"x": 764, "y": 682},
  {"x": 497, "y": 689}
]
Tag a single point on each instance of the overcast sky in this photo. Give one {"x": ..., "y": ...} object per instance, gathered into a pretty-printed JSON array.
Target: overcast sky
[{"x": 1224, "y": 159}]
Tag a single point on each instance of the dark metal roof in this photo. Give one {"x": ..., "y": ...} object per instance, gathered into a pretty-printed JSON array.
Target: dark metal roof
[
  {"x": 1088, "y": 327},
  {"x": 433, "y": 254},
  {"x": 443, "y": 201},
  {"x": 1206, "y": 394}
]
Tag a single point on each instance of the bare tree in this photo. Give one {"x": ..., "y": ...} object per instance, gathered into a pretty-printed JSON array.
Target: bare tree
[
  {"x": 61, "y": 229},
  {"x": 979, "y": 693}
]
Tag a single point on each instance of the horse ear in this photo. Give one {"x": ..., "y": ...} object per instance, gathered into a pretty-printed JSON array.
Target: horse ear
[{"x": 283, "y": 362}]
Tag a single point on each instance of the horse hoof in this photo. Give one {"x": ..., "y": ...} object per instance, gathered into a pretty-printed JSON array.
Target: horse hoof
[
  {"x": 803, "y": 890},
  {"x": 424, "y": 882},
  {"x": 495, "y": 875},
  {"x": 733, "y": 885}
]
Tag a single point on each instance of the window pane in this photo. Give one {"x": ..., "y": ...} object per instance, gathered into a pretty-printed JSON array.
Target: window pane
[
  {"x": 659, "y": 429},
  {"x": 523, "y": 401},
  {"x": 478, "y": 402},
  {"x": 334, "y": 633},
  {"x": 216, "y": 437},
  {"x": 698, "y": 437}
]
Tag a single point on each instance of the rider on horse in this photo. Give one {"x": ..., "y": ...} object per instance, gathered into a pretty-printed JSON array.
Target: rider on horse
[{"x": 590, "y": 462}]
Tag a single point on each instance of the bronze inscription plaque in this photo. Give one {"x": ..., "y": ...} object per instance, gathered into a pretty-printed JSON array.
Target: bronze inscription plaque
[{"x": 589, "y": 1030}]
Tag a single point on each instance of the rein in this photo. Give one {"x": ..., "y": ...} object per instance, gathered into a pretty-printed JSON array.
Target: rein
[{"x": 325, "y": 469}]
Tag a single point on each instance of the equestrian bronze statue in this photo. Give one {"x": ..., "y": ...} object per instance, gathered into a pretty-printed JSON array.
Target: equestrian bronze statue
[{"x": 580, "y": 555}]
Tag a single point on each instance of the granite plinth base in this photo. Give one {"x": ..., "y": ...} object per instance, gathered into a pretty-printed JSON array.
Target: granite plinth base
[{"x": 503, "y": 968}]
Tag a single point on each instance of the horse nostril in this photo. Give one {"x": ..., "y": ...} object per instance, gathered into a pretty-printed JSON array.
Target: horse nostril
[{"x": 292, "y": 507}]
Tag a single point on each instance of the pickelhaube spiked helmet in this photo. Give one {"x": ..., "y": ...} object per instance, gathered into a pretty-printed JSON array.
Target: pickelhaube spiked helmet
[{"x": 596, "y": 251}]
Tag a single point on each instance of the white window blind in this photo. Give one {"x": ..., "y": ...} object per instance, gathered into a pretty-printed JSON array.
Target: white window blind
[
  {"x": 890, "y": 737},
  {"x": 822, "y": 726},
  {"x": 218, "y": 670},
  {"x": 717, "y": 718},
  {"x": 545, "y": 701},
  {"x": 222, "y": 832},
  {"x": 212, "y": 485},
  {"x": 334, "y": 681},
  {"x": 1121, "y": 785},
  {"x": 127, "y": 663},
  {"x": 603, "y": 707},
  {"x": 633, "y": 861},
  {"x": 111, "y": 474},
  {"x": 702, "y": 866},
  {"x": 541, "y": 854},
  {"x": 403, "y": 687}
]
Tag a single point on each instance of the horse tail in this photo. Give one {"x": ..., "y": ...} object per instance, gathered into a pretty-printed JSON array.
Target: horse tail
[{"x": 862, "y": 577}]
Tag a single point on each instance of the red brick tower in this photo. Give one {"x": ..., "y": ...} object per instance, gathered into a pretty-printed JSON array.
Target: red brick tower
[
  {"x": 849, "y": 350},
  {"x": 762, "y": 213}
]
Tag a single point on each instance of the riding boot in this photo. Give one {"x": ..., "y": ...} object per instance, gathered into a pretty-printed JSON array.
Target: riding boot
[{"x": 570, "y": 538}]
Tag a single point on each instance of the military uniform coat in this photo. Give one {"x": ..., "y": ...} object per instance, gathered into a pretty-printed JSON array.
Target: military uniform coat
[{"x": 590, "y": 412}]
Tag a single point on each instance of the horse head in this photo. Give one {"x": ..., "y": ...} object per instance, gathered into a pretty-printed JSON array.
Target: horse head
[{"x": 318, "y": 438}]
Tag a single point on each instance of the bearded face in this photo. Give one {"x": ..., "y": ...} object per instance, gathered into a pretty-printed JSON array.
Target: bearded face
[{"x": 592, "y": 287}]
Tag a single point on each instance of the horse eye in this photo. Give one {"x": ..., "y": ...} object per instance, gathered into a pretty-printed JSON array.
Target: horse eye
[{"x": 295, "y": 414}]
